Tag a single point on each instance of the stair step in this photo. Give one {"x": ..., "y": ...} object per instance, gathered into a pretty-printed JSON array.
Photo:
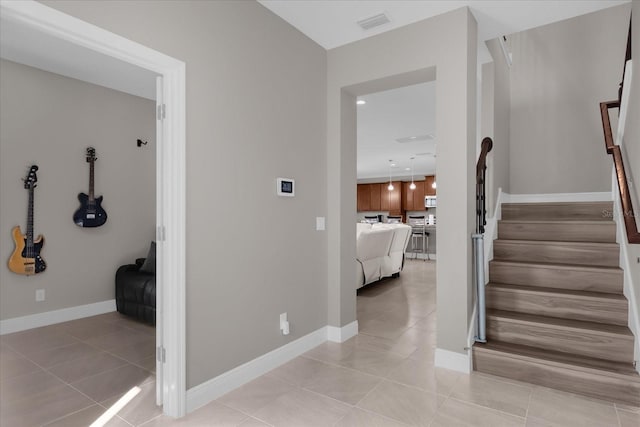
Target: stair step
[
  {"x": 618, "y": 382},
  {"x": 596, "y": 340},
  {"x": 559, "y": 303},
  {"x": 581, "y": 253},
  {"x": 564, "y": 231},
  {"x": 558, "y": 276},
  {"x": 559, "y": 211}
]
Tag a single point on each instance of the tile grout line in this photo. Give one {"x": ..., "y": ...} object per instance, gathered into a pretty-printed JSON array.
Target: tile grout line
[
  {"x": 526, "y": 414},
  {"x": 488, "y": 408}
]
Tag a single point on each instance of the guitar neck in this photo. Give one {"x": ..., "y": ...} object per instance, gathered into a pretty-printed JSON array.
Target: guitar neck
[
  {"x": 30, "y": 220},
  {"x": 91, "y": 193}
]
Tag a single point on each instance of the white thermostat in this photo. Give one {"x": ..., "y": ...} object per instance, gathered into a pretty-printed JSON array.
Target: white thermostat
[{"x": 286, "y": 187}]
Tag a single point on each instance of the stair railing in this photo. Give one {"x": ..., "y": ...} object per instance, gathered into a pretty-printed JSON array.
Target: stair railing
[
  {"x": 478, "y": 238},
  {"x": 633, "y": 236}
]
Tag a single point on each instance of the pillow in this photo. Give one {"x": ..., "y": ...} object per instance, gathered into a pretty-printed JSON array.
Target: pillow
[{"x": 149, "y": 265}]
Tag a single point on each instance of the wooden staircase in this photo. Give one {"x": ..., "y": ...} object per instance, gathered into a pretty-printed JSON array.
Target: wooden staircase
[{"x": 556, "y": 315}]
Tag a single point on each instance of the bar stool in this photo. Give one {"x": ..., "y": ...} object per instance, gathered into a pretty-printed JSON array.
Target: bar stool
[
  {"x": 371, "y": 219},
  {"x": 392, "y": 219},
  {"x": 419, "y": 231}
]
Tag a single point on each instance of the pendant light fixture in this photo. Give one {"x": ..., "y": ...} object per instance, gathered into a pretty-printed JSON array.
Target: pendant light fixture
[
  {"x": 390, "y": 186},
  {"x": 413, "y": 184}
]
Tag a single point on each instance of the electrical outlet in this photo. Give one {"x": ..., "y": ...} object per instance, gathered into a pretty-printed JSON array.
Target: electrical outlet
[
  {"x": 284, "y": 324},
  {"x": 40, "y": 295}
]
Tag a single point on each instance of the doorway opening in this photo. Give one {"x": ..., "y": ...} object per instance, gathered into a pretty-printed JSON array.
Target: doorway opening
[
  {"x": 50, "y": 24},
  {"x": 396, "y": 192}
]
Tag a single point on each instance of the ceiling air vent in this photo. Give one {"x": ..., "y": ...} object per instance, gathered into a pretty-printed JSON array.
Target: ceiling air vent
[{"x": 374, "y": 21}]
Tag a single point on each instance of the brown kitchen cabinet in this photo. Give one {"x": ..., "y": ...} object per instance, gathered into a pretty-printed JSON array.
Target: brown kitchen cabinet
[
  {"x": 375, "y": 191},
  {"x": 413, "y": 199},
  {"x": 377, "y": 198},
  {"x": 395, "y": 199},
  {"x": 428, "y": 186},
  {"x": 364, "y": 198}
]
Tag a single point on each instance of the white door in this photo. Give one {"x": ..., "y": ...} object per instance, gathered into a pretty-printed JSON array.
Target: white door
[{"x": 160, "y": 351}]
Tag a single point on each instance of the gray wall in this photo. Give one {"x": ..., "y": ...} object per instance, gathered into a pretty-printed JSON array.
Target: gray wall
[
  {"x": 497, "y": 88},
  {"x": 256, "y": 91},
  {"x": 50, "y": 120},
  {"x": 409, "y": 55},
  {"x": 560, "y": 74},
  {"x": 632, "y": 125},
  {"x": 631, "y": 148}
]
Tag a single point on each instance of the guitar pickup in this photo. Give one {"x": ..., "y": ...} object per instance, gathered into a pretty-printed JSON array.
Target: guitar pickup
[{"x": 91, "y": 216}]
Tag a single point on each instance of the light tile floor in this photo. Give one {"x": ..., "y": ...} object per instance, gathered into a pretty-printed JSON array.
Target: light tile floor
[{"x": 68, "y": 374}]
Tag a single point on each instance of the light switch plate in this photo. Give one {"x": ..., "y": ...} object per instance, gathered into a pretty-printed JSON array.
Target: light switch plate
[{"x": 320, "y": 224}]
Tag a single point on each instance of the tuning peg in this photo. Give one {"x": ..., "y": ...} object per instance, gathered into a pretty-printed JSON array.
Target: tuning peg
[{"x": 141, "y": 142}]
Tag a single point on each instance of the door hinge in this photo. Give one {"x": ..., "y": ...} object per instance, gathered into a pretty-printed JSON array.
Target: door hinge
[
  {"x": 161, "y": 354},
  {"x": 162, "y": 111},
  {"x": 160, "y": 233}
]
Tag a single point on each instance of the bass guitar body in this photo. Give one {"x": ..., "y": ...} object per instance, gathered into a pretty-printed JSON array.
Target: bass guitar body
[
  {"x": 90, "y": 213},
  {"x": 26, "y": 260}
]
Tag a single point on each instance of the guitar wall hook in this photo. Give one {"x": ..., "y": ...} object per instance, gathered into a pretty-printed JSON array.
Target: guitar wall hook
[{"x": 141, "y": 142}]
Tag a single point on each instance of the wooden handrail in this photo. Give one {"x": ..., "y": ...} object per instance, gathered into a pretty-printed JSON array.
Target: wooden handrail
[
  {"x": 481, "y": 166},
  {"x": 623, "y": 185}
]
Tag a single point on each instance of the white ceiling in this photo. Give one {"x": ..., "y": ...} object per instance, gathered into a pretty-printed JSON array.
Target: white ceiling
[
  {"x": 410, "y": 111},
  {"x": 396, "y": 114},
  {"x": 332, "y": 23},
  {"x": 22, "y": 44}
]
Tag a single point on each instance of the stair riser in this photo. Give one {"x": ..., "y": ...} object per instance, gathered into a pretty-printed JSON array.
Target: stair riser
[
  {"x": 612, "y": 347},
  {"x": 562, "y": 378},
  {"x": 596, "y": 211},
  {"x": 592, "y": 255},
  {"x": 558, "y": 232},
  {"x": 557, "y": 278},
  {"x": 560, "y": 306}
]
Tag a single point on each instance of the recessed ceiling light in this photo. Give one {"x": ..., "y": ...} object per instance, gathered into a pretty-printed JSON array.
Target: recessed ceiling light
[
  {"x": 414, "y": 138},
  {"x": 393, "y": 165},
  {"x": 361, "y": 102},
  {"x": 407, "y": 169}
]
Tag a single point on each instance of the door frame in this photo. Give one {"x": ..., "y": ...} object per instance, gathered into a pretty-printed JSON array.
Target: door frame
[{"x": 170, "y": 177}]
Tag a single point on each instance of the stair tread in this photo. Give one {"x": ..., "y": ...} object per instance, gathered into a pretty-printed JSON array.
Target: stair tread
[
  {"x": 608, "y": 203},
  {"x": 563, "y": 359},
  {"x": 557, "y": 265},
  {"x": 559, "y": 323},
  {"x": 557, "y": 243},
  {"x": 557, "y": 292},
  {"x": 557, "y": 221}
]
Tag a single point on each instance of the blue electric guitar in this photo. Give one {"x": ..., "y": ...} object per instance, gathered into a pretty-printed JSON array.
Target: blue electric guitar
[{"x": 90, "y": 213}]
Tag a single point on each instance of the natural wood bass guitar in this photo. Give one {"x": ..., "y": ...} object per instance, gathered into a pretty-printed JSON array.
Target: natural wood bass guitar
[{"x": 26, "y": 258}]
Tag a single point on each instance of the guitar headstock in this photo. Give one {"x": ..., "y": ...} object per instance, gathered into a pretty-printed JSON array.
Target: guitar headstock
[
  {"x": 91, "y": 154},
  {"x": 31, "y": 178}
]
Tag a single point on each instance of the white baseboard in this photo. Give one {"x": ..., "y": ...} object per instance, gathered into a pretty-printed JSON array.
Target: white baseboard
[
  {"x": 336, "y": 334},
  {"x": 605, "y": 196},
  {"x": 210, "y": 390},
  {"x": 23, "y": 323},
  {"x": 454, "y": 361}
]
